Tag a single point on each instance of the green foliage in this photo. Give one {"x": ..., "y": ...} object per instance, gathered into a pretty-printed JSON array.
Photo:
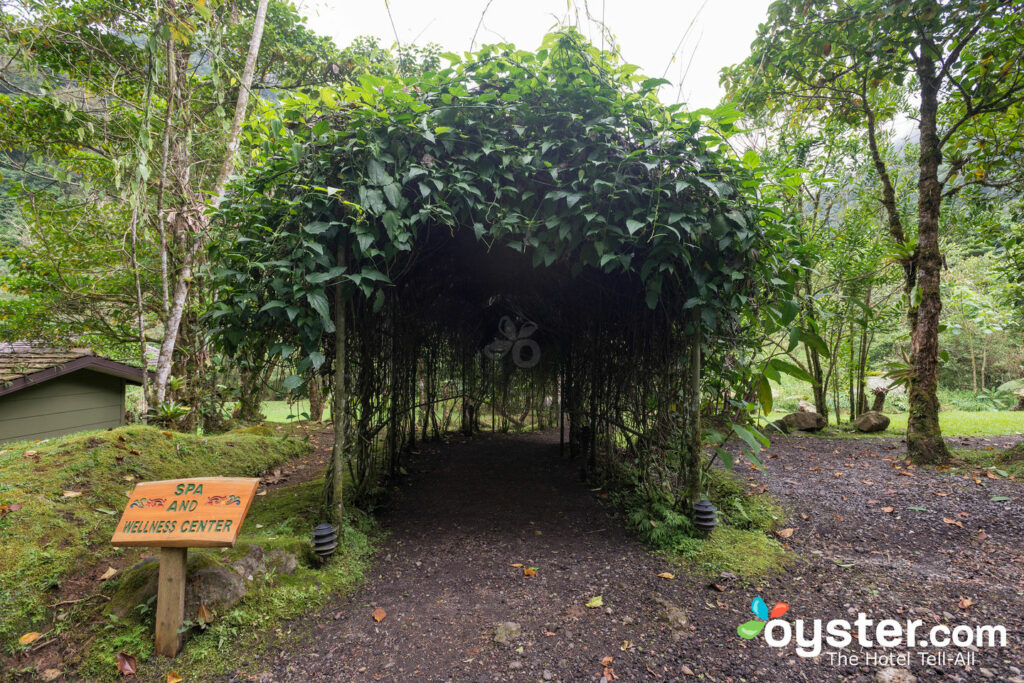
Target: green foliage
[
  {"x": 560, "y": 154},
  {"x": 750, "y": 555},
  {"x": 53, "y": 536},
  {"x": 663, "y": 519}
]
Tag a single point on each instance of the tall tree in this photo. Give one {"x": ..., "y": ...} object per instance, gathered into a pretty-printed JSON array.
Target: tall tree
[
  {"x": 131, "y": 117},
  {"x": 952, "y": 66}
]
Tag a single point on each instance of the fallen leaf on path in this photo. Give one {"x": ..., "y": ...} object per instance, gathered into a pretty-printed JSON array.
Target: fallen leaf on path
[
  {"x": 785, "y": 533},
  {"x": 29, "y": 638},
  {"x": 126, "y": 664},
  {"x": 965, "y": 603},
  {"x": 940, "y": 493},
  {"x": 31, "y": 452},
  {"x": 982, "y": 535},
  {"x": 379, "y": 614},
  {"x": 888, "y": 509},
  {"x": 517, "y": 565},
  {"x": 173, "y": 677},
  {"x": 626, "y": 644},
  {"x": 954, "y": 522},
  {"x": 72, "y": 494},
  {"x": 666, "y": 575},
  {"x": 718, "y": 587},
  {"x": 837, "y": 475},
  {"x": 868, "y": 482},
  {"x": 904, "y": 473},
  {"x": 872, "y": 502},
  {"x": 50, "y": 675},
  {"x": 686, "y": 671},
  {"x": 804, "y": 516},
  {"x": 962, "y": 514},
  {"x": 109, "y": 574},
  {"x": 607, "y": 661},
  {"x": 530, "y": 571},
  {"x": 596, "y": 601}
]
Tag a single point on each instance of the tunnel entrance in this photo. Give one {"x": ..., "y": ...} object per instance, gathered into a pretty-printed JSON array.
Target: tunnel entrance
[{"x": 524, "y": 237}]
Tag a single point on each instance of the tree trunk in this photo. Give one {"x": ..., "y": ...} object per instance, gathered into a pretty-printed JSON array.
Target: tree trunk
[
  {"x": 924, "y": 438},
  {"x": 316, "y": 398},
  {"x": 333, "y": 499},
  {"x": 880, "y": 395},
  {"x": 200, "y": 220},
  {"x": 690, "y": 413}
]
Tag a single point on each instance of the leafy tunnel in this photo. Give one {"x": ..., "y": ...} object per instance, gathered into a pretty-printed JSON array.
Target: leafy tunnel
[{"x": 527, "y": 235}]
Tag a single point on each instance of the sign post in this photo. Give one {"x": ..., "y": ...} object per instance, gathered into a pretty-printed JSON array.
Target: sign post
[{"x": 175, "y": 515}]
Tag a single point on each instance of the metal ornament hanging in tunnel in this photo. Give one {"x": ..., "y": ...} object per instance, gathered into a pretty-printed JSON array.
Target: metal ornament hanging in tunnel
[{"x": 516, "y": 341}]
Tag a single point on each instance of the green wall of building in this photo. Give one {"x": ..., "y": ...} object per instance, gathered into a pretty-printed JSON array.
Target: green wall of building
[{"x": 72, "y": 403}]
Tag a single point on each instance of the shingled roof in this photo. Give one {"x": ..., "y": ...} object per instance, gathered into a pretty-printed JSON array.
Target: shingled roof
[{"x": 24, "y": 364}]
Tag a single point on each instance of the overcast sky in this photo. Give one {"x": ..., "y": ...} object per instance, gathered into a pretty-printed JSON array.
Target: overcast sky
[{"x": 647, "y": 31}]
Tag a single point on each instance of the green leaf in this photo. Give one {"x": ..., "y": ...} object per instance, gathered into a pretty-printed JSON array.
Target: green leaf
[
  {"x": 764, "y": 394},
  {"x": 725, "y": 456},
  {"x": 747, "y": 437},
  {"x": 999, "y": 499},
  {"x": 633, "y": 225},
  {"x": 814, "y": 341},
  {"x": 292, "y": 382},
  {"x": 318, "y": 301},
  {"x": 377, "y": 173},
  {"x": 596, "y": 601},
  {"x": 792, "y": 370},
  {"x": 316, "y": 227}
]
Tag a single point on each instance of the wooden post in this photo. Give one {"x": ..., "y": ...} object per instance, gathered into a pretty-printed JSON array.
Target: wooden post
[{"x": 170, "y": 600}]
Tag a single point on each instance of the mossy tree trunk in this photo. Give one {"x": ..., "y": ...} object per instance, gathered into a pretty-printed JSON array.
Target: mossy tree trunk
[
  {"x": 333, "y": 500},
  {"x": 924, "y": 438},
  {"x": 689, "y": 410}
]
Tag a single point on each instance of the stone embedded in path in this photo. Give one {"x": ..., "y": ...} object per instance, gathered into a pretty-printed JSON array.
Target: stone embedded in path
[
  {"x": 871, "y": 421},
  {"x": 893, "y": 675},
  {"x": 507, "y": 632},
  {"x": 678, "y": 622}
]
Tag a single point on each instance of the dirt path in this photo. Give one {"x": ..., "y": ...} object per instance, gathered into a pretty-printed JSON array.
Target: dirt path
[{"x": 471, "y": 510}]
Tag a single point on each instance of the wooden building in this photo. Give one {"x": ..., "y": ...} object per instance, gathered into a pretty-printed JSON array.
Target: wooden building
[{"x": 46, "y": 392}]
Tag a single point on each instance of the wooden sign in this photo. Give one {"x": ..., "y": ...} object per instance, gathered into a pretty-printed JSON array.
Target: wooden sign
[
  {"x": 180, "y": 513},
  {"x": 173, "y": 515}
]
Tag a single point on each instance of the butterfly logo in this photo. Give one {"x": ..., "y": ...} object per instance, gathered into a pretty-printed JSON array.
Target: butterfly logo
[{"x": 752, "y": 628}]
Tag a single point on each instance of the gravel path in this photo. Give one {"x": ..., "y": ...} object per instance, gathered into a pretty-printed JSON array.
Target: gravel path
[{"x": 470, "y": 511}]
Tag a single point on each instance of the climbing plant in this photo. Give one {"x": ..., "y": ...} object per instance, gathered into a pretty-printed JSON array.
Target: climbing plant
[{"x": 392, "y": 227}]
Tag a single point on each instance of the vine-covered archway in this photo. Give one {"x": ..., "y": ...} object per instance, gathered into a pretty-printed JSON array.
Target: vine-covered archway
[{"x": 523, "y": 233}]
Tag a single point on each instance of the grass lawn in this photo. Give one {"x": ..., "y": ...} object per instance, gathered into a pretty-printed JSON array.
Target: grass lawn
[{"x": 954, "y": 423}]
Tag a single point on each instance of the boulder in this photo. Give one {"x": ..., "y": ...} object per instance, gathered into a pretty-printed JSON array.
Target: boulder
[
  {"x": 802, "y": 421},
  {"x": 209, "y": 581},
  {"x": 871, "y": 421},
  {"x": 217, "y": 586}
]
